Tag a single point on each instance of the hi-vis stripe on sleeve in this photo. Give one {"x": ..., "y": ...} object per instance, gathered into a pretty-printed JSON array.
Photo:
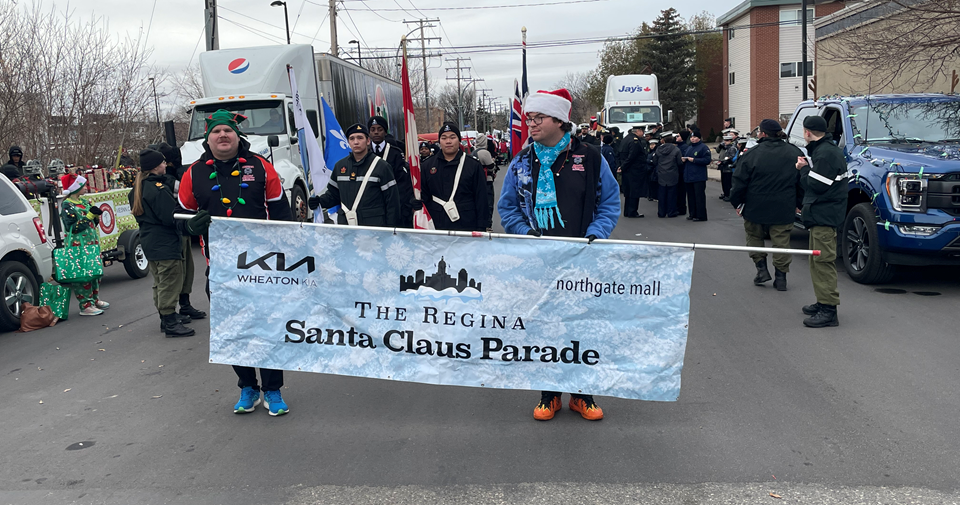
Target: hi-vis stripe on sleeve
[
  {"x": 819, "y": 178},
  {"x": 844, "y": 175},
  {"x": 384, "y": 187}
]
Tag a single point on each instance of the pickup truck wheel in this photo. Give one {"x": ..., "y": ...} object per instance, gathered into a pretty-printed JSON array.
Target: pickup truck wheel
[
  {"x": 861, "y": 249},
  {"x": 298, "y": 199},
  {"x": 17, "y": 285},
  {"x": 135, "y": 262}
]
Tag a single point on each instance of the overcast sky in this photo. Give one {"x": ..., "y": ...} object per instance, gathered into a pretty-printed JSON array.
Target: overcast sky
[{"x": 177, "y": 27}]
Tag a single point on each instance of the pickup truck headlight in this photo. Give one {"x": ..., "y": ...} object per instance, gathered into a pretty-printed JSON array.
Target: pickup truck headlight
[{"x": 907, "y": 192}]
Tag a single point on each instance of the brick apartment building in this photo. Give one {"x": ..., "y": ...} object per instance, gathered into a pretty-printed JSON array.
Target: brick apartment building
[{"x": 762, "y": 58}]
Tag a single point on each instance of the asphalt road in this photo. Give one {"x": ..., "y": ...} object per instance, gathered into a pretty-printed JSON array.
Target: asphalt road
[{"x": 863, "y": 413}]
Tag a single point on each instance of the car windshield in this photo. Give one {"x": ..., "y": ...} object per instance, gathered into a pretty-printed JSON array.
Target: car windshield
[
  {"x": 634, "y": 114},
  {"x": 907, "y": 121},
  {"x": 264, "y": 117}
]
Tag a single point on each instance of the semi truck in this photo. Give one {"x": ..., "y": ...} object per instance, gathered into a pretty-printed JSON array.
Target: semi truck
[
  {"x": 903, "y": 194},
  {"x": 253, "y": 81},
  {"x": 631, "y": 100}
]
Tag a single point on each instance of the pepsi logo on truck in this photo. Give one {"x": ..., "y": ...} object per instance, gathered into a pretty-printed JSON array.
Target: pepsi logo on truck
[{"x": 238, "y": 66}]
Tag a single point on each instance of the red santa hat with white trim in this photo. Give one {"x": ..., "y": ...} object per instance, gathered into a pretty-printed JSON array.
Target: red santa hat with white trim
[
  {"x": 556, "y": 103},
  {"x": 72, "y": 183}
]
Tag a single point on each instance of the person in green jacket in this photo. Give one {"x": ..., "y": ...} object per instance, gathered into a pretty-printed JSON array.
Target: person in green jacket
[
  {"x": 81, "y": 220},
  {"x": 824, "y": 180}
]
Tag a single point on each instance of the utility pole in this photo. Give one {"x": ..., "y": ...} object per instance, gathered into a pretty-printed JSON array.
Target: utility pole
[
  {"x": 803, "y": 35},
  {"x": 212, "y": 34},
  {"x": 460, "y": 69},
  {"x": 333, "y": 28},
  {"x": 423, "y": 52}
]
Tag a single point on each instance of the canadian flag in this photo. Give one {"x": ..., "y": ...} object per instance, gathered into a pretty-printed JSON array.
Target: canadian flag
[{"x": 421, "y": 218}]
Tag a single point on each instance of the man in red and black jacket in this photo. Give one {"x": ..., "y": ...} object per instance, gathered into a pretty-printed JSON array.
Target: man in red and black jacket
[{"x": 230, "y": 181}]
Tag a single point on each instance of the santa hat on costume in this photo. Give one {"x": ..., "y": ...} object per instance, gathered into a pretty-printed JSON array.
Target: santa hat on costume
[
  {"x": 556, "y": 103},
  {"x": 72, "y": 183}
]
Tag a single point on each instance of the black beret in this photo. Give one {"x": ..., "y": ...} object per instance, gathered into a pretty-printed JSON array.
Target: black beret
[
  {"x": 379, "y": 121},
  {"x": 770, "y": 126},
  {"x": 150, "y": 159},
  {"x": 815, "y": 123},
  {"x": 357, "y": 128}
]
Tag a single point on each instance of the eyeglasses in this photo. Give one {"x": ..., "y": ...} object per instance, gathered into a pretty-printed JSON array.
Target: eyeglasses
[{"x": 534, "y": 120}]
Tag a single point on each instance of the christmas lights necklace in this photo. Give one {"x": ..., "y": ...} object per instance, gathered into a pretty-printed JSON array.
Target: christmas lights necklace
[{"x": 215, "y": 175}]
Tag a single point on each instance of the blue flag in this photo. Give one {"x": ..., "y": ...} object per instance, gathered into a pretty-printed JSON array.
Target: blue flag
[{"x": 335, "y": 147}]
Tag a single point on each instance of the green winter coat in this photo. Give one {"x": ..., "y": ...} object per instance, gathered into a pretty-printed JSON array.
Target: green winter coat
[{"x": 824, "y": 185}]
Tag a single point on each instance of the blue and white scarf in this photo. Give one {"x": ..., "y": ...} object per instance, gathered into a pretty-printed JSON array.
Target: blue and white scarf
[{"x": 546, "y": 188}]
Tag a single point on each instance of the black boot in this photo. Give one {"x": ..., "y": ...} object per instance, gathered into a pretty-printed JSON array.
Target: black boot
[
  {"x": 827, "y": 316},
  {"x": 187, "y": 310},
  {"x": 781, "y": 281},
  {"x": 173, "y": 328},
  {"x": 812, "y": 309},
  {"x": 180, "y": 318},
  {"x": 763, "y": 275}
]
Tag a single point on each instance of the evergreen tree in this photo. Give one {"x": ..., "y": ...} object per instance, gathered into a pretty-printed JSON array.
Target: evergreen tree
[{"x": 671, "y": 53}]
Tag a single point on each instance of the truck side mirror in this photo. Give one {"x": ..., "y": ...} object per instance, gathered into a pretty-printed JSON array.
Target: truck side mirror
[
  {"x": 294, "y": 139},
  {"x": 669, "y": 116},
  {"x": 273, "y": 141},
  {"x": 314, "y": 121}
]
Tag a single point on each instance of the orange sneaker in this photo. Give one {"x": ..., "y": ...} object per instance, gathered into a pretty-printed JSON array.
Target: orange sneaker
[
  {"x": 586, "y": 407},
  {"x": 549, "y": 405}
]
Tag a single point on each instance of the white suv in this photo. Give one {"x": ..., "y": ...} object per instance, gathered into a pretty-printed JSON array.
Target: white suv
[{"x": 26, "y": 257}]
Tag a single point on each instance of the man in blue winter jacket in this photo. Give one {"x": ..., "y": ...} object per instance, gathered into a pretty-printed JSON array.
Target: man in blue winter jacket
[
  {"x": 558, "y": 187},
  {"x": 696, "y": 156}
]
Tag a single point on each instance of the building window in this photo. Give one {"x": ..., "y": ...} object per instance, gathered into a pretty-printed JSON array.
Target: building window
[
  {"x": 733, "y": 78},
  {"x": 793, "y": 17},
  {"x": 730, "y": 33},
  {"x": 795, "y": 69}
]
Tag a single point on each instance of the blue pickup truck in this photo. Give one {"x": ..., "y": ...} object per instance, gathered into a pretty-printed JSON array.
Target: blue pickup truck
[{"x": 903, "y": 156}]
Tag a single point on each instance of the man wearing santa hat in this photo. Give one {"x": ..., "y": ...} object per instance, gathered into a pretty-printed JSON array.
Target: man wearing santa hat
[{"x": 558, "y": 186}]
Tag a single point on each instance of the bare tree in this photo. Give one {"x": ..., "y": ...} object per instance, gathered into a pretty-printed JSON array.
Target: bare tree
[
  {"x": 578, "y": 84},
  {"x": 72, "y": 90},
  {"x": 907, "y": 45}
]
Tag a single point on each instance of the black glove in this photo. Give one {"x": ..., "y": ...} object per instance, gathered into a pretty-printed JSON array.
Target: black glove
[
  {"x": 416, "y": 204},
  {"x": 198, "y": 224},
  {"x": 96, "y": 211},
  {"x": 313, "y": 202},
  {"x": 533, "y": 232},
  {"x": 591, "y": 238}
]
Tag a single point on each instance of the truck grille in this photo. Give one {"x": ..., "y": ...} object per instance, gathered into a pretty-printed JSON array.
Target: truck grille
[{"x": 944, "y": 194}]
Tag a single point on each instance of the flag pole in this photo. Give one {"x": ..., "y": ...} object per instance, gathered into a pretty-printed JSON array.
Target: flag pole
[{"x": 491, "y": 236}]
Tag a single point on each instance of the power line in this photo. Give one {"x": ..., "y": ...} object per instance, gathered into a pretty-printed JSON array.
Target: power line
[
  {"x": 271, "y": 38},
  {"x": 319, "y": 27},
  {"x": 484, "y": 48},
  {"x": 278, "y": 27},
  {"x": 358, "y": 35},
  {"x": 484, "y": 6},
  {"x": 379, "y": 15}
]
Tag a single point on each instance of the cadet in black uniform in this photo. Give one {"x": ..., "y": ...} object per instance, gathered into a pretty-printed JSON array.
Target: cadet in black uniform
[
  {"x": 390, "y": 152},
  {"x": 453, "y": 177},
  {"x": 362, "y": 185}
]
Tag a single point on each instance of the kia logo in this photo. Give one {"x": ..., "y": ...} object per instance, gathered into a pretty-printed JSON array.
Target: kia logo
[{"x": 280, "y": 263}]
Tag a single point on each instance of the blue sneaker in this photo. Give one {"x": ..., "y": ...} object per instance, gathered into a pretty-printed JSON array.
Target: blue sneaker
[
  {"x": 249, "y": 399},
  {"x": 274, "y": 403}
]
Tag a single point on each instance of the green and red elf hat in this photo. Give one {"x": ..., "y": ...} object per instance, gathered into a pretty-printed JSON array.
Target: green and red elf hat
[{"x": 224, "y": 117}]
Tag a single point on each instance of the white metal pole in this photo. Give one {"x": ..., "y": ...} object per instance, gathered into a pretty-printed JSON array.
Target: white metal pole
[{"x": 491, "y": 236}]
